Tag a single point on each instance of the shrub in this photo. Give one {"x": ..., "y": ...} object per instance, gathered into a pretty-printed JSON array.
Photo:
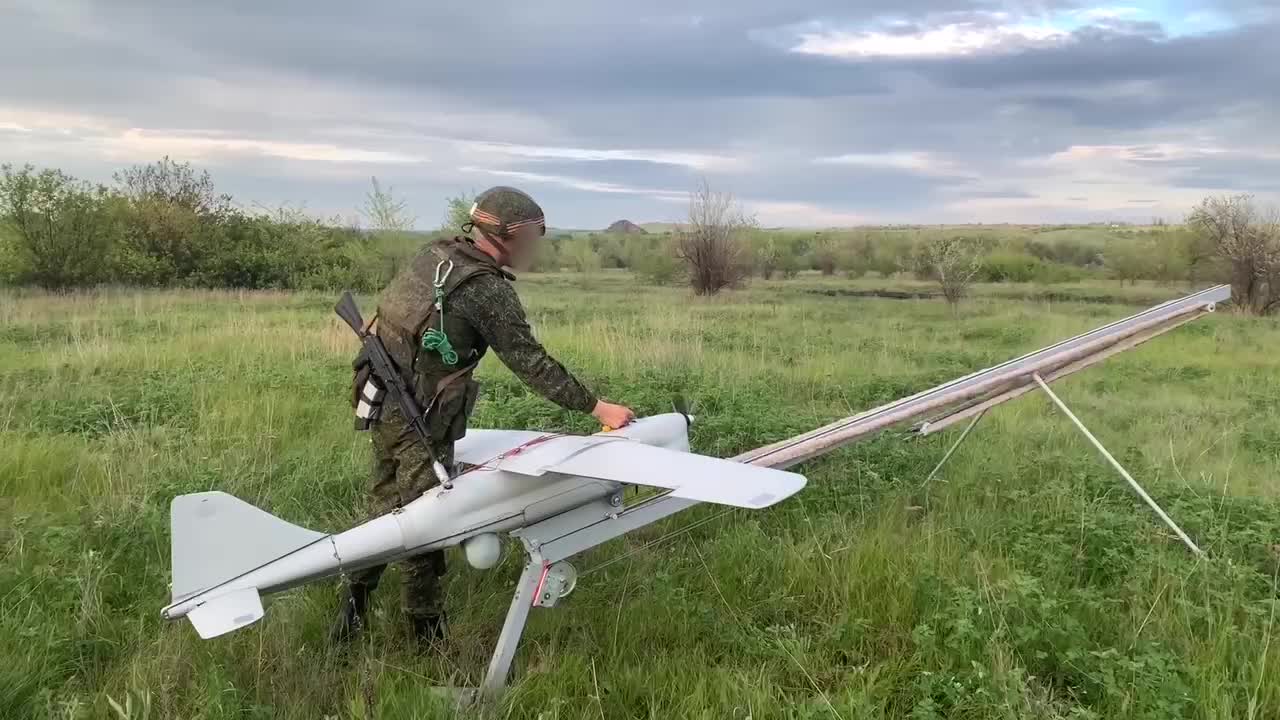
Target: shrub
[
  {"x": 62, "y": 228},
  {"x": 1007, "y": 266},
  {"x": 658, "y": 264},
  {"x": 951, "y": 261},
  {"x": 713, "y": 243}
]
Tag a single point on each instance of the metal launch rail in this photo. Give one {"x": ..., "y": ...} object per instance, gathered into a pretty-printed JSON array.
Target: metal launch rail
[{"x": 560, "y": 537}]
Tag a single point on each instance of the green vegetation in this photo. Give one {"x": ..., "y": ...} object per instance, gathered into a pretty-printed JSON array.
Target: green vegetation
[
  {"x": 166, "y": 225},
  {"x": 1025, "y": 582}
]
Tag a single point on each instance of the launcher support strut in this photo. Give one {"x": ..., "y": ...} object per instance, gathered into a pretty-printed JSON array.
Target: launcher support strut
[{"x": 1116, "y": 464}]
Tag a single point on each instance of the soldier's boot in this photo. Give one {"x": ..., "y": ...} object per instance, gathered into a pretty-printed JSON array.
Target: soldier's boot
[
  {"x": 352, "y": 612},
  {"x": 428, "y": 629}
]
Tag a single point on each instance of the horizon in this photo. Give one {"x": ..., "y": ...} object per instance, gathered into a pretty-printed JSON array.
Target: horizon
[{"x": 978, "y": 112}]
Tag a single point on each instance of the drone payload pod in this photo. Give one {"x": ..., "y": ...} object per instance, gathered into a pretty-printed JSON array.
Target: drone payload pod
[{"x": 562, "y": 494}]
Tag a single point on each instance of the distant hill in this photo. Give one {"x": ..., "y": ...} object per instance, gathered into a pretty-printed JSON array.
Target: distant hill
[{"x": 626, "y": 227}]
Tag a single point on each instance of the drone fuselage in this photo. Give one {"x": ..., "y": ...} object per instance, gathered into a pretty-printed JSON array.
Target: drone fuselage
[{"x": 478, "y": 504}]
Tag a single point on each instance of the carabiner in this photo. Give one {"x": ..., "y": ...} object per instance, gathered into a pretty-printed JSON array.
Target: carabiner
[{"x": 441, "y": 278}]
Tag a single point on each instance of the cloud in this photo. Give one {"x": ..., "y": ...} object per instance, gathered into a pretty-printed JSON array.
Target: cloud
[
  {"x": 885, "y": 110},
  {"x": 577, "y": 183},
  {"x": 923, "y": 163},
  {"x": 693, "y": 160},
  {"x": 135, "y": 145},
  {"x": 948, "y": 40},
  {"x": 799, "y": 214}
]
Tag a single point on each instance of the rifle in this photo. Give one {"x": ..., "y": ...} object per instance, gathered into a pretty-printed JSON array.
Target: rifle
[{"x": 384, "y": 369}]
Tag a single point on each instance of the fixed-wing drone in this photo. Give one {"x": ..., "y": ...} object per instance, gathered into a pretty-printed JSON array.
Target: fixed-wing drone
[
  {"x": 537, "y": 486},
  {"x": 563, "y": 494}
]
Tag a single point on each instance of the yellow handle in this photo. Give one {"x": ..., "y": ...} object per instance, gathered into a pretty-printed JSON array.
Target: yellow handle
[{"x": 605, "y": 428}]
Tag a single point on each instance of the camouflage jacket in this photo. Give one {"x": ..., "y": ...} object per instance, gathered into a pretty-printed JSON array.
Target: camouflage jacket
[{"x": 481, "y": 310}]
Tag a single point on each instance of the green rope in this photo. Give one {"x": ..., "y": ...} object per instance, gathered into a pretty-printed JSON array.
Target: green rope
[{"x": 435, "y": 340}]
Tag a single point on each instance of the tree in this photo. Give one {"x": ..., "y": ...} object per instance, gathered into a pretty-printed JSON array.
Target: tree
[
  {"x": 1248, "y": 242},
  {"x": 952, "y": 261},
  {"x": 712, "y": 244},
  {"x": 825, "y": 254},
  {"x": 63, "y": 227},
  {"x": 457, "y": 211},
  {"x": 172, "y": 183},
  {"x": 658, "y": 263},
  {"x": 768, "y": 256},
  {"x": 168, "y": 211},
  {"x": 580, "y": 254},
  {"x": 1172, "y": 254},
  {"x": 858, "y": 257},
  {"x": 886, "y": 261},
  {"x": 384, "y": 211},
  {"x": 1127, "y": 260},
  {"x": 547, "y": 258}
]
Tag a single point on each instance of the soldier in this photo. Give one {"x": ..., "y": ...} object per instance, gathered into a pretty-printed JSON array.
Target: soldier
[{"x": 437, "y": 319}]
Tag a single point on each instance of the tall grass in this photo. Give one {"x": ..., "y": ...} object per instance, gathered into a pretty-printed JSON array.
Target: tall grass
[{"x": 1026, "y": 581}]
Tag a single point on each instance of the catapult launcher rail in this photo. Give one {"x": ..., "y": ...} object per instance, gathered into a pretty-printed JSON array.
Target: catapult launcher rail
[{"x": 967, "y": 398}]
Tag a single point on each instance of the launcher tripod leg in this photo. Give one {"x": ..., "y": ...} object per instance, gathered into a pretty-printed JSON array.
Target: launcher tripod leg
[
  {"x": 955, "y": 446},
  {"x": 1115, "y": 464},
  {"x": 495, "y": 681}
]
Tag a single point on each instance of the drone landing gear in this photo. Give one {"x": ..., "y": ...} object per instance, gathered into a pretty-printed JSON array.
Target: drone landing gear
[{"x": 547, "y": 577}]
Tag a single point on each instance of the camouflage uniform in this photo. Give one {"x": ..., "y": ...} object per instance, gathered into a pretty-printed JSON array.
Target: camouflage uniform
[{"x": 481, "y": 310}]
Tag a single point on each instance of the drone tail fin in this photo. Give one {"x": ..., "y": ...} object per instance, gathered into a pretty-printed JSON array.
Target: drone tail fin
[{"x": 217, "y": 537}]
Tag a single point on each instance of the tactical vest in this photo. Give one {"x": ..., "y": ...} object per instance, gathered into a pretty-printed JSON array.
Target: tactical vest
[{"x": 447, "y": 393}]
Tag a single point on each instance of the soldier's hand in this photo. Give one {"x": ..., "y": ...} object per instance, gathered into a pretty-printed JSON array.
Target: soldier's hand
[{"x": 613, "y": 416}]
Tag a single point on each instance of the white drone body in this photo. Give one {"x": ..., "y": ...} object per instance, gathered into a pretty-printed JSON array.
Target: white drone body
[{"x": 227, "y": 553}]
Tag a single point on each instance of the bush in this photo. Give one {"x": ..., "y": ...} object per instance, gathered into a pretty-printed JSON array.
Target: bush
[
  {"x": 579, "y": 254},
  {"x": 1004, "y": 266},
  {"x": 548, "y": 257},
  {"x": 658, "y": 264},
  {"x": 1126, "y": 260},
  {"x": 826, "y": 255},
  {"x": 165, "y": 225},
  {"x": 61, "y": 228},
  {"x": 1014, "y": 267},
  {"x": 789, "y": 265},
  {"x": 612, "y": 250},
  {"x": 951, "y": 261},
  {"x": 1067, "y": 251},
  {"x": 713, "y": 243},
  {"x": 766, "y": 254},
  {"x": 857, "y": 256}
]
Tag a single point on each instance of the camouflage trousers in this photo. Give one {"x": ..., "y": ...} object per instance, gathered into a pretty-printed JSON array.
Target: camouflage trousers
[{"x": 401, "y": 473}]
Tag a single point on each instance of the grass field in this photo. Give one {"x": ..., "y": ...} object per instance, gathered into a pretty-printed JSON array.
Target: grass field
[{"x": 1026, "y": 582}]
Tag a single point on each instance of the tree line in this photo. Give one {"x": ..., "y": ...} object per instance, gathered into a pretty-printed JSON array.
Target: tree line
[
  {"x": 1225, "y": 239},
  {"x": 166, "y": 224}
]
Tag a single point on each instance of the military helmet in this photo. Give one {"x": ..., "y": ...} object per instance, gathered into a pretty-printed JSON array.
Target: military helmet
[{"x": 503, "y": 210}]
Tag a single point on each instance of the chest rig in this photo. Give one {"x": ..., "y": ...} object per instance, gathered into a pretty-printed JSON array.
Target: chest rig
[{"x": 434, "y": 352}]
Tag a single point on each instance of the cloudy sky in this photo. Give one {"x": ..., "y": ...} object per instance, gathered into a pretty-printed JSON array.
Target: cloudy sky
[{"x": 811, "y": 112}]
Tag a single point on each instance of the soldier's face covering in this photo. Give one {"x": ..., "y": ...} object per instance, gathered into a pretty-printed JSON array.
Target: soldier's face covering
[{"x": 523, "y": 247}]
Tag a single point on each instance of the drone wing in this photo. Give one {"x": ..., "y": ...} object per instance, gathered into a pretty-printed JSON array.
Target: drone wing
[
  {"x": 481, "y": 446},
  {"x": 686, "y": 475}
]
